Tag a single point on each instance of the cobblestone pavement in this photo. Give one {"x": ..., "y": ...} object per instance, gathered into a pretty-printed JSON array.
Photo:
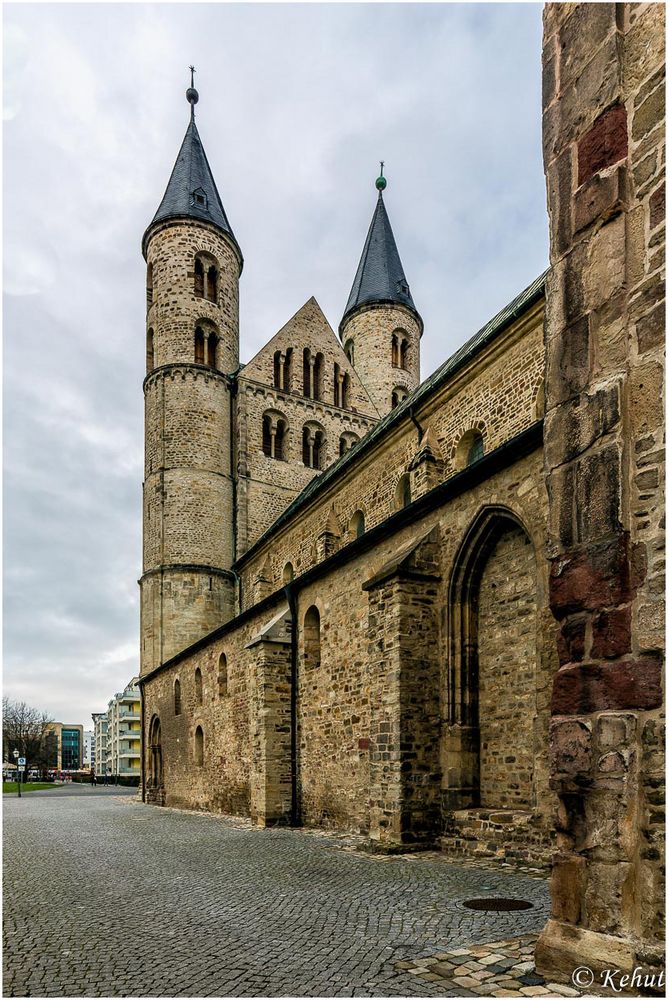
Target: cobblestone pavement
[{"x": 105, "y": 896}]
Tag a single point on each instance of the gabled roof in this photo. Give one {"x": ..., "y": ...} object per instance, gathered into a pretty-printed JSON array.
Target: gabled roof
[
  {"x": 191, "y": 192},
  {"x": 533, "y": 293},
  {"x": 380, "y": 275}
]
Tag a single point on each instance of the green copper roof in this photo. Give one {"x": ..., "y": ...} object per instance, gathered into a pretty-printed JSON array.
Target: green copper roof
[
  {"x": 380, "y": 275},
  {"x": 191, "y": 192}
]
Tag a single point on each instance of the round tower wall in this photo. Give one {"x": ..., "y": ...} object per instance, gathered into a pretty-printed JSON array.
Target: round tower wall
[
  {"x": 371, "y": 329},
  {"x": 176, "y": 309}
]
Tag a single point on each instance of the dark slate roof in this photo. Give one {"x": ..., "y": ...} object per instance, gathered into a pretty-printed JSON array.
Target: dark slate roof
[
  {"x": 380, "y": 276},
  {"x": 191, "y": 174},
  {"x": 479, "y": 340}
]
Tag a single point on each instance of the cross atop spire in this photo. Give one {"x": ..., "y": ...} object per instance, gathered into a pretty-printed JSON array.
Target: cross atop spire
[{"x": 191, "y": 94}]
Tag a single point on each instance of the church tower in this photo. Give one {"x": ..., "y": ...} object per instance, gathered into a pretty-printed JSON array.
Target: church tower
[
  {"x": 381, "y": 328},
  {"x": 192, "y": 347}
]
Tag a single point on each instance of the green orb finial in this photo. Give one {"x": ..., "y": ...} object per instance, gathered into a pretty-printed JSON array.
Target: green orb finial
[{"x": 381, "y": 182}]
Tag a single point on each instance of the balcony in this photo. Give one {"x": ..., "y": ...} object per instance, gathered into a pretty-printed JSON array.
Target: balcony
[
  {"x": 129, "y": 754},
  {"x": 135, "y": 716}
]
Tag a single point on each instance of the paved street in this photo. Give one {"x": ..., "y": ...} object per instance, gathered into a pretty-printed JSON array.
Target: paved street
[{"x": 104, "y": 896}]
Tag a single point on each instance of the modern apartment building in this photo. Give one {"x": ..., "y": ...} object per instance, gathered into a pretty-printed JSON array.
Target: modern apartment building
[
  {"x": 124, "y": 733},
  {"x": 65, "y": 746},
  {"x": 100, "y": 743}
]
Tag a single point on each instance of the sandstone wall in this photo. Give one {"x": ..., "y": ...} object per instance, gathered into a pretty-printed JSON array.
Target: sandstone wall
[
  {"x": 369, "y": 330},
  {"x": 604, "y": 154},
  {"x": 496, "y": 393}
]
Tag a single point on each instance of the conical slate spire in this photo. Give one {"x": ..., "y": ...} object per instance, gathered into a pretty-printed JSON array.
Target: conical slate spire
[
  {"x": 380, "y": 276},
  {"x": 191, "y": 192}
]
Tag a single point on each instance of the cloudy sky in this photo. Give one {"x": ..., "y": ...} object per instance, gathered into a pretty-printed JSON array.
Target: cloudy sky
[{"x": 298, "y": 103}]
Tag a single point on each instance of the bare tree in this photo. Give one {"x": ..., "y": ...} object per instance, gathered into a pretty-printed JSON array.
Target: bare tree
[{"x": 24, "y": 729}]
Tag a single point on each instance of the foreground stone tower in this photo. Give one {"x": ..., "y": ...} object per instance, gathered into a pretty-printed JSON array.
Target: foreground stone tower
[
  {"x": 381, "y": 328},
  {"x": 192, "y": 346}
]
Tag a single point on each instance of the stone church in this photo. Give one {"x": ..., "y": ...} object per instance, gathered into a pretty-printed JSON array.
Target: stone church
[{"x": 429, "y": 611}]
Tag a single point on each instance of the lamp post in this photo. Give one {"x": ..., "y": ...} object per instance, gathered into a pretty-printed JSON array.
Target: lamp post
[{"x": 18, "y": 773}]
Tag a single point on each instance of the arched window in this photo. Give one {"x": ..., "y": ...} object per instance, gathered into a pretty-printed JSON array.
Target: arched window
[
  {"x": 357, "y": 525},
  {"x": 317, "y": 376},
  {"x": 177, "y": 697},
  {"x": 199, "y": 277},
  {"x": 345, "y": 391},
  {"x": 288, "y": 572},
  {"x": 212, "y": 350},
  {"x": 469, "y": 449},
  {"x": 198, "y": 686},
  {"x": 287, "y": 371},
  {"x": 307, "y": 373},
  {"x": 199, "y": 746},
  {"x": 476, "y": 450},
  {"x": 403, "y": 353},
  {"x": 313, "y": 447},
  {"x": 277, "y": 370},
  {"x": 312, "y": 637},
  {"x": 349, "y": 350},
  {"x": 274, "y": 436},
  {"x": 402, "y": 496},
  {"x": 222, "y": 676},
  {"x": 395, "y": 351},
  {"x": 150, "y": 354},
  {"x": 398, "y": 394},
  {"x": 346, "y": 441},
  {"x": 211, "y": 286},
  {"x": 199, "y": 345},
  {"x": 338, "y": 386},
  {"x": 149, "y": 286}
]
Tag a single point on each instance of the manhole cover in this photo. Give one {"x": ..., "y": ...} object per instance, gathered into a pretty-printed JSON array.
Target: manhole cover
[{"x": 497, "y": 903}]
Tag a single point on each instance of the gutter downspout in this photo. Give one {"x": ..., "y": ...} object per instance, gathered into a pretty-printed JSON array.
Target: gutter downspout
[
  {"x": 294, "y": 805},
  {"x": 420, "y": 429}
]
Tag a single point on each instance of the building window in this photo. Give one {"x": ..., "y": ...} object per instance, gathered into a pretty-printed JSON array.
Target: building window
[
  {"x": 211, "y": 285},
  {"x": 349, "y": 351},
  {"x": 288, "y": 573},
  {"x": 312, "y": 637},
  {"x": 398, "y": 394},
  {"x": 199, "y": 277},
  {"x": 177, "y": 697},
  {"x": 357, "y": 525},
  {"x": 469, "y": 449},
  {"x": 313, "y": 448},
  {"x": 150, "y": 353},
  {"x": 346, "y": 441},
  {"x": 222, "y": 676},
  {"x": 212, "y": 350},
  {"x": 476, "y": 450},
  {"x": 199, "y": 746},
  {"x": 312, "y": 368},
  {"x": 198, "y": 686},
  {"x": 402, "y": 496},
  {"x": 274, "y": 436},
  {"x": 149, "y": 286},
  {"x": 399, "y": 349},
  {"x": 199, "y": 345}
]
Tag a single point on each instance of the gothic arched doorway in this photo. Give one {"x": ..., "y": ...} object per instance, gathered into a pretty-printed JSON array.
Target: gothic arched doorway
[
  {"x": 491, "y": 675},
  {"x": 155, "y": 789}
]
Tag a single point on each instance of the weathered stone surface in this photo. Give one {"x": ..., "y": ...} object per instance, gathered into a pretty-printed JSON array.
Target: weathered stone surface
[
  {"x": 605, "y": 143},
  {"x": 593, "y": 687}
]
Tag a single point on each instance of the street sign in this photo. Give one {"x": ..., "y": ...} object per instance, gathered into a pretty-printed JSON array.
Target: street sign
[{"x": 21, "y": 762}]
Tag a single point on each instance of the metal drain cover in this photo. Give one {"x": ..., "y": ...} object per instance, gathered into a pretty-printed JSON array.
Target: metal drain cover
[{"x": 497, "y": 903}]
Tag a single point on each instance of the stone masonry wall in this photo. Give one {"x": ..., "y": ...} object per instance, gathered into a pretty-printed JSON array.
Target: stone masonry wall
[
  {"x": 188, "y": 541},
  {"x": 370, "y": 330},
  {"x": 604, "y": 155},
  {"x": 497, "y": 391},
  {"x": 507, "y": 677},
  {"x": 342, "y": 715}
]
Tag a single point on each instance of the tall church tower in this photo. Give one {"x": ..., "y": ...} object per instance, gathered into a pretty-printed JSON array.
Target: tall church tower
[
  {"x": 192, "y": 346},
  {"x": 381, "y": 328}
]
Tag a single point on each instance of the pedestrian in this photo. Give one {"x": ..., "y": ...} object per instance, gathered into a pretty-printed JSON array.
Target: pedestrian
[{"x": 93, "y": 780}]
